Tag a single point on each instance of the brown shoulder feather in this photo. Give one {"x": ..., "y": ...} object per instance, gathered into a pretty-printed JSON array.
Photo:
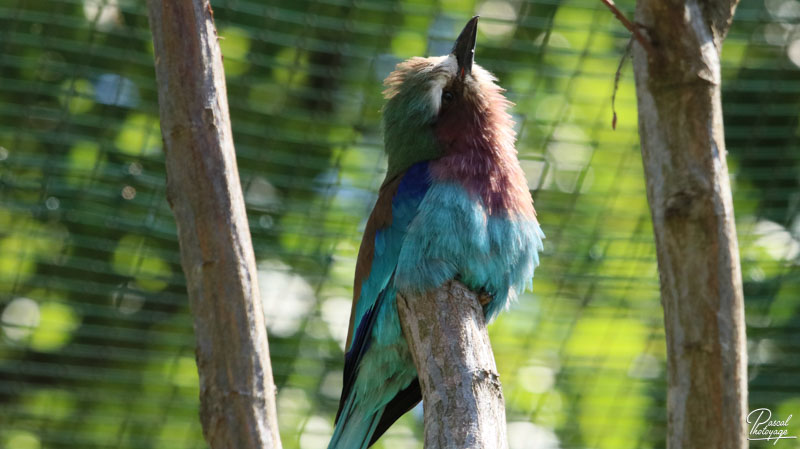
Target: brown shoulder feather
[{"x": 380, "y": 218}]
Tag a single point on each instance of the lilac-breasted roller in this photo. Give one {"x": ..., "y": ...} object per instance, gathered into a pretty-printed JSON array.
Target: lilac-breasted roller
[{"x": 455, "y": 204}]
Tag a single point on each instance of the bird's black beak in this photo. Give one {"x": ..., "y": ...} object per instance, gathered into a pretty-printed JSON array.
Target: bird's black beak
[{"x": 464, "y": 48}]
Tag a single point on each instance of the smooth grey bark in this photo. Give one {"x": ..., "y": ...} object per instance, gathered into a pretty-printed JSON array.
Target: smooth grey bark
[
  {"x": 237, "y": 393},
  {"x": 461, "y": 391},
  {"x": 683, "y": 149}
]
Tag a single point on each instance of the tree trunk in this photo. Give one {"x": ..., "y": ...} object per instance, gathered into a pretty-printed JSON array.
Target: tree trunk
[
  {"x": 683, "y": 148},
  {"x": 461, "y": 390},
  {"x": 237, "y": 393}
]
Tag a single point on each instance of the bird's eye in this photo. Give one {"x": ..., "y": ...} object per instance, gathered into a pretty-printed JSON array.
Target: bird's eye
[{"x": 447, "y": 96}]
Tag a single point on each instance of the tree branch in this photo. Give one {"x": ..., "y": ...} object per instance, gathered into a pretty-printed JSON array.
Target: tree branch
[
  {"x": 643, "y": 40},
  {"x": 237, "y": 393},
  {"x": 683, "y": 148},
  {"x": 461, "y": 390}
]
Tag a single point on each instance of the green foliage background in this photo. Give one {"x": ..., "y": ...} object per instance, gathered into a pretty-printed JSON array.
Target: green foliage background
[{"x": 96, "y": 347}]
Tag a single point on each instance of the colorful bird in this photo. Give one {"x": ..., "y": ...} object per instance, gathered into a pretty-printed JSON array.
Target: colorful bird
[{"x": 455, "y": 204}]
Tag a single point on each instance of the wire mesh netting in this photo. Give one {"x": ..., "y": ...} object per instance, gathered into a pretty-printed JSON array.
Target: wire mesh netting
[{"x": 97, "y": 343}]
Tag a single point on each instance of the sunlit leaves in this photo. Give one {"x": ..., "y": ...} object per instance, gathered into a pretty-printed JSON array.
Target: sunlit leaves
[
  {"x": 786, "y": 304},
  {"x": 787, "y": 408},
  {"x": 235, "y": 45},
  {"x": 49, "y": 403},
  {"x": 83, "y": 157},
  {"x": 603, "y": 336},
  {"x": 135, "y": 257},
  {"x": 140, "y": 136},
  {"x": 27, "y": 243},
  {"x": 295, "y": 406},
  {"x": 57, "y": 323},
  {"x": 406, "y": 44},
  {"x": 290, "y": 67},
  {"x": 267, "y": 97},
  {"x": 402, "y": 434},
  {"x": 20, "y": 439},
  {"x": 184, "y": 372},
  {"x": 457, "y": 6},
  {"x": 77, "y": 95},
  {"x": 43, "y": 327}
]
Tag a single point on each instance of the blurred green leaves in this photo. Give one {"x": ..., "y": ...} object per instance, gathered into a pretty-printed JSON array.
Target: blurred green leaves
[
  {"x": 135, "y": 257},
  {"x": 42, "y": 327},
  {"x": 77, "y": 96},
  {"x": 56, "y": 324},
  {"x": 235, "y": 45},
  {"x": 20, "y": 439},
  {"x": 140, "y": 135},
  {"x": 407, "y": 44}
]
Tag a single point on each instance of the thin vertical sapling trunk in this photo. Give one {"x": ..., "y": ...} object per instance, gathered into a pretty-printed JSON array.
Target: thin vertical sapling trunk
[
  {"x": 683, "y": 149},
  {"x": 237, "y": 393}
]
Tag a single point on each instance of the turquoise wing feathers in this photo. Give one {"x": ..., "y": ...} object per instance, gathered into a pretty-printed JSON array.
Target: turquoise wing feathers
[{"x": 371, "y": 402}]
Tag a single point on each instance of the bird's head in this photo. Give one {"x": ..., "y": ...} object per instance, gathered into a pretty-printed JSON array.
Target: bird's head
[{"x": 439, "y": 105}]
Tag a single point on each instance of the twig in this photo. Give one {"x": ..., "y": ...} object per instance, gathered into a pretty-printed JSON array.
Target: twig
[
  {"x": 648, "y": 46},
  {"x": 617, "y": 75}
]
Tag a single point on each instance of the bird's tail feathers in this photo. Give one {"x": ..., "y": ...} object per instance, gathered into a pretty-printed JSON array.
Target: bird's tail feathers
[{"x": 355, "y": 426}]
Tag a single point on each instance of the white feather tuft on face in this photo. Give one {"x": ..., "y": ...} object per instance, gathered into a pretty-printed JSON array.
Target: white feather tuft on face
[{"x": 444, "y": 69}]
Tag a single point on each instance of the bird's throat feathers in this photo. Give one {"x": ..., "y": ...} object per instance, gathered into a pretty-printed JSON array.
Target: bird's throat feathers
[
  {"x": 477, "y": 137},
  {"x": 462, "y": 125}
]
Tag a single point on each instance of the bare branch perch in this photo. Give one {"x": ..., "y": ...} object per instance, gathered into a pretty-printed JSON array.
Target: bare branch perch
[
  {"x": 236, "y": 388},
  {"x": 461, "y": 390},
  {"x": 683, "y": 148}
]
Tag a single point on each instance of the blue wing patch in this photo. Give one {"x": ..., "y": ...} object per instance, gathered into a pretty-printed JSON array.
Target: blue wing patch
[
  {"x": 370, "y": 401},
  {"x": 388, "y": 241}
]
